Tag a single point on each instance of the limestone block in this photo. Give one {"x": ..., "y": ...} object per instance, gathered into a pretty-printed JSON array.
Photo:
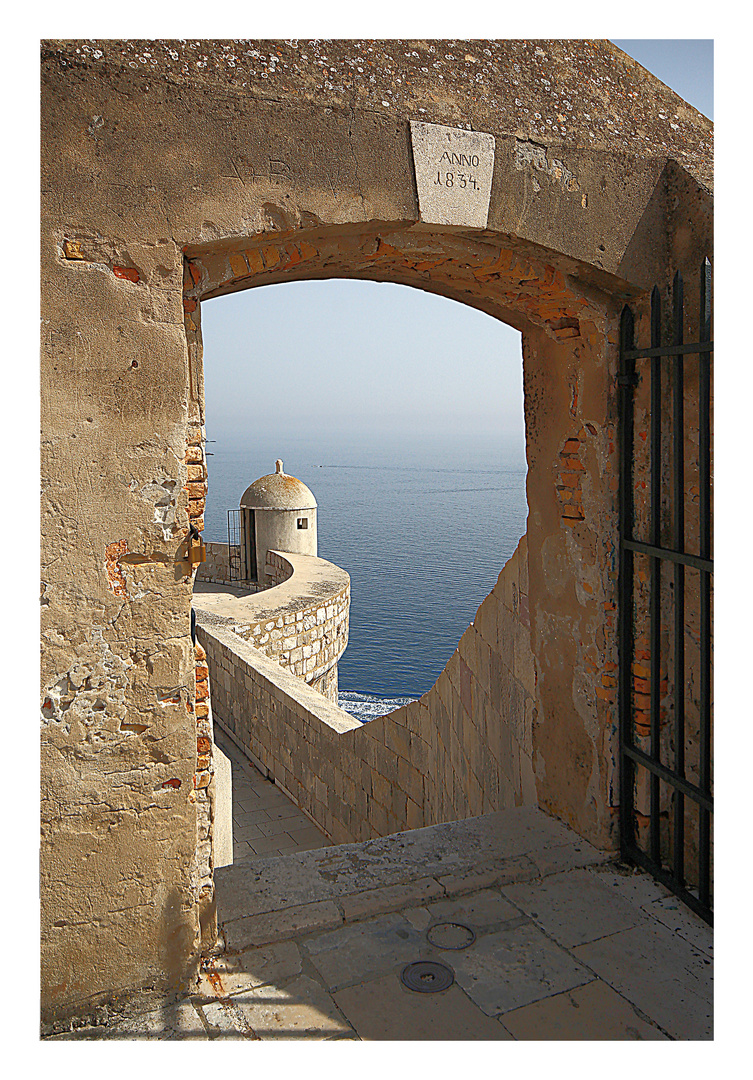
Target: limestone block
[
  {"x": 454, "y": 169},
  {"x": 265, "y": 929}
]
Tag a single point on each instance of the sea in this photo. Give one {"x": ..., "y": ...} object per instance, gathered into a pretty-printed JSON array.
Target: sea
[{"x": 423, "y": 525}]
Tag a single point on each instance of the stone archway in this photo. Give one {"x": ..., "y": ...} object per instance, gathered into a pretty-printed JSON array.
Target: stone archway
[
  {"x": 550, "y": 739},
  {"x": 175, "y": 170}
]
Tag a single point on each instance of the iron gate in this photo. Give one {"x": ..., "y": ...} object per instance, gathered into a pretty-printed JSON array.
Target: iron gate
[
  {"x": 665, "y": 597},
  {"x": 234, "y": 544}
]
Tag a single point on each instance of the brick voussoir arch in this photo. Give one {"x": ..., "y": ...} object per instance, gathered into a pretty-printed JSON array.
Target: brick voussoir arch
[{"x": 503, "y": 277}]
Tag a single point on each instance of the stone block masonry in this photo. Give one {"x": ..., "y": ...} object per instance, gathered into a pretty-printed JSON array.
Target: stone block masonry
[{"x": 216, "y": 567}]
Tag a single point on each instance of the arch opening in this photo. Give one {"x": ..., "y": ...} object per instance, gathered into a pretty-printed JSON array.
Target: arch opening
[
  {"x": 508, "y": 707},
  {"x": 404, "y": 412}
]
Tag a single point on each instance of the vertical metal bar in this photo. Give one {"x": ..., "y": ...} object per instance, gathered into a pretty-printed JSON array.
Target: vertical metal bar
[
  {"x": 655, "y": 599},
  {"x": 704, "y": 484},
  {"x": 625, "y": 585},
  {"x": 230, "y": 544},
  {"x": 678, "y": 424}
]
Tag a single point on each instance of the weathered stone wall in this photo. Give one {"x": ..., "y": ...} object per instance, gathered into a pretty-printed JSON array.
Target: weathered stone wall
[
  {"x": 465, "y": 748},
  {"x": 205, "y": 800},
  {"x": 277, "y": 569},
  {"x": 173, "y": 171}
]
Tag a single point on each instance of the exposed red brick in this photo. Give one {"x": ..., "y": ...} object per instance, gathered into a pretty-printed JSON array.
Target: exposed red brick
[
  {"x": 116, "y": 582},
  {"x": 570, "y": 479},
  {"x": 127, "y": 272}
]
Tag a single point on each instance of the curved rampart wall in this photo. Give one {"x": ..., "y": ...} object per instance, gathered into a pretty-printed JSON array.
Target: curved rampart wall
[
  {"x": 464, "y": 748},
  {"x": 301, "y": 622}
]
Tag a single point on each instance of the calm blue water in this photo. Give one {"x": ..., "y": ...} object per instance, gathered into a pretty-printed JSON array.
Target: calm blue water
[{"x": 423, "y": 529}]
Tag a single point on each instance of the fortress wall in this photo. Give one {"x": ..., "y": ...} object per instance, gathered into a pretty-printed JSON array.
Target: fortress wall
[
  {"x": 216, "y": 567},
  {"x": 463, "y": 749}
]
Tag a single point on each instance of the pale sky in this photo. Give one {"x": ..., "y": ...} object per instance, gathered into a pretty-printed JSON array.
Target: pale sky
[{"x": 350, "y": 357}]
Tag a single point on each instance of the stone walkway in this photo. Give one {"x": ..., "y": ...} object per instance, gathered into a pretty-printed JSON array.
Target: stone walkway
[
  {"x": 565, "y": 944},
  {"x": 265, "y": 821}
]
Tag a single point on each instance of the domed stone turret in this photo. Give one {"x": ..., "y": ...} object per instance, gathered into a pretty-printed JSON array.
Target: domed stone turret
[{"x": 278, "y": 513}]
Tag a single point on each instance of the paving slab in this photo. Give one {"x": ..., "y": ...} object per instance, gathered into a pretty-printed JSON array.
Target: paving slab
[
  {"x": 367, "y": 950},
  {"x": 224, "y": 1021},
  {"x": 483, "y": 909},
  {"x": 249, "y": 833},
  {"x": 273, "y": 827},
  {"x": 672, "y": 913},
  {"x": 514, "y": 967},
  {"x": 226, "y": 975},
  {"x": 418, "y": 917},
  {"x": 591, "y": 1012},
  {"x": 660, "y": 973},
  {"x": 574, "y": 907},
  {"x": 385, "y": 1009},
  {"x": 300, "y": 1009},
  {"x": 631, "y": 883}
]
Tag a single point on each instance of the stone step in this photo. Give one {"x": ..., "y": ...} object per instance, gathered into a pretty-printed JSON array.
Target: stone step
[{"x": 262, "y": 900}]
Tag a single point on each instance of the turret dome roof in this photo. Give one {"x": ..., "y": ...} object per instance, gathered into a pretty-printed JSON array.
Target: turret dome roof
[{"x": 277, "y": 491}]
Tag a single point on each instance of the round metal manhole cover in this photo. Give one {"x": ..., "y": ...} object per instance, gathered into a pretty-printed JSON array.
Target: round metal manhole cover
[
  {"x": 450, "y": 935},
  {"x": 427, "y": 977}
]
